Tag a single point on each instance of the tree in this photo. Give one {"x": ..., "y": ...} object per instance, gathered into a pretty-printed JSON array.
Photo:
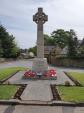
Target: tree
[
  {"x": 48, "y": 40},
  {"x": 33, "y": 50},
  {"x": 8, "y": 44},
  {"x": 72, "y": 50},
  {"x": 81, "y": 49},
  {"x": 82, "y": 43},
  {"x": 1, "y": 49},
  {"x": 60, "y": 37}
]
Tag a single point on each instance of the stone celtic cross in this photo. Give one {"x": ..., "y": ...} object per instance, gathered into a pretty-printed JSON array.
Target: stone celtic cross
[{"x": 40, "y": 18}]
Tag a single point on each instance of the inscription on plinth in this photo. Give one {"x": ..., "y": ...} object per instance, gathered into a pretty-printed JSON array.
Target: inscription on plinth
[{"x": 40, "y": 65}]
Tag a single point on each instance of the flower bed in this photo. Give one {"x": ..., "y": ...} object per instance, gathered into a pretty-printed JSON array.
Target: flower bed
[
  {"x": 47, "y": 74},
  {"x": 29, "y": 74},
  {"x": 50, "y": 73}
]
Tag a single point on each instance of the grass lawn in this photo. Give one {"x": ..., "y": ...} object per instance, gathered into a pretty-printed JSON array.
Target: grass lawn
[
  {"x": 72, "y": 93},
  {"x": 6, "y": 72},
  {"x": 7, "y": 91},
  {"x": 78, "y": 76}
]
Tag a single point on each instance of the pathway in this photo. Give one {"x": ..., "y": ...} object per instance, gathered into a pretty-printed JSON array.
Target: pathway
[
  {"x": 61, "y": 78},
  {"x": 37, "y": 91},
  {"x": 39, "y": 109}
]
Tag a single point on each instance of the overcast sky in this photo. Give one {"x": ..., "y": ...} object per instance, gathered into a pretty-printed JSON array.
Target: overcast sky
[{"x": 16, "y": 16}]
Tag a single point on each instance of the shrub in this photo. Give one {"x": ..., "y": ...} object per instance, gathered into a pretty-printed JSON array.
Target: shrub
[{"x": 67, "y": 83}]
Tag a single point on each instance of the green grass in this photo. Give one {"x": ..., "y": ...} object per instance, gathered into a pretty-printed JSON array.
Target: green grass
[
  {"x": 6, "y": 72},
  {"x": 78, "y": 76},
  {"x": 7, "y": 91},
  {"x": 72, "y": 93}
]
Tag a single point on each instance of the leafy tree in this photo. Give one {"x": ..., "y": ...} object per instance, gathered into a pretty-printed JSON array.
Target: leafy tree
[
  {"x": 23, "y": 50},
  {"x": 1, "y": 50},
  {"x": 81, "y": 49},
  {"x": 82, "y": 43},
  {"x": 48, "y": 40},
  {"x": 60, "y": 37},
  {"x": 8, "y": 45},
  {"x": 33, "y": 50},
  {"x": 72, "y": 52}
]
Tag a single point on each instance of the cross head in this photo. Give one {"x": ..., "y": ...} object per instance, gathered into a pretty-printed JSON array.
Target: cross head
[{"x": 40, "y": 17}]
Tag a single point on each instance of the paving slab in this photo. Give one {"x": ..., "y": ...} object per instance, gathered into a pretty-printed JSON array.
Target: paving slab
[
  {"x": 79, "y": 110},
  {"x": 37, "y": 91},
  {"x": 3, "y": 108},
  {"x": 9, "y": 109},
  {"x": 61, "y": 77},
  {"x": 37, "y": 109},
  {"x": 35, "y": 102},
  {"x": 17, "y": 78},
  {"x": 68, "y": 109}
]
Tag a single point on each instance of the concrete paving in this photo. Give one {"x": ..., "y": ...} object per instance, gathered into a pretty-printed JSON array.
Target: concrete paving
[
  {"x": 61, "y": 78},
  {"x": 17, "y": 78},
  {"x": 37, "y": 91},
  {"x": 79, "y": 110},
  {"x": 39, "y": 109},
  {"x": 3, "y": 108},
  {"x": 68, "y": 109}
]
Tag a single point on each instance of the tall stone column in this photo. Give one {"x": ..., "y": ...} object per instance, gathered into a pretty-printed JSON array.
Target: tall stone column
[
  {"x": 40, "y": 63},
  {"x": 40, "y": 41}
]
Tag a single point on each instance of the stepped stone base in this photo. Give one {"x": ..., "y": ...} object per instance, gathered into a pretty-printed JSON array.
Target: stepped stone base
[{"x": 40, "y": 65}]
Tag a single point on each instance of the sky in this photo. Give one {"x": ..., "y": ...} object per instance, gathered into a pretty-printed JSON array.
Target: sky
[{"x": 16, "y": 16}]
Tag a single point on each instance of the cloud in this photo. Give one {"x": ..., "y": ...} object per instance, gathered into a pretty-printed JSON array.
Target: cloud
[{"x": 16, "y": 16}]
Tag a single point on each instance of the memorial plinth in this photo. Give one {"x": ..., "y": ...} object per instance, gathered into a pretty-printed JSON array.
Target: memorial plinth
[{"x": 40, "y": 63}]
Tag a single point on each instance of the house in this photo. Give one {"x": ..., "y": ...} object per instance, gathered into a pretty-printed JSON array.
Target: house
[
  {"x": 48, "y": 49},
  {"x": 55, "y": 51},
  {"x": 64, "y": 51}
]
